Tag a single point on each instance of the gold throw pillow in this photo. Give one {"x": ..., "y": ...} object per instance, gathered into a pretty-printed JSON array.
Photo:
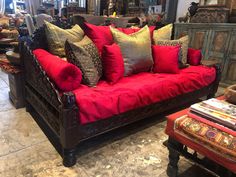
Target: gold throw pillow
[
  {"x": 163, "y": 33},
  {"x": 135, "y": 49},
  {"x": 57, "y": 37},
  {"x": 183, "y": 42}
]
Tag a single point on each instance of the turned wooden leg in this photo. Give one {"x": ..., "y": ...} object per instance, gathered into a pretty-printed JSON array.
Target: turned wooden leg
[
  {"x": 28, "y": 107},
  {"x": 174, "y": 148},
  {"x": 223, "y": 172},
  {"x": 211, "y": 95},
  {"x": 69, "y": 157}
]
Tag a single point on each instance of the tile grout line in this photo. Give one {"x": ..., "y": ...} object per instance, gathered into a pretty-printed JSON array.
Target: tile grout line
[
  {"x": 5, "y": 83},
  {"x": 3, "y": 80},
  {"x": 4, "y": 155},
  {"x": 11, "y": 109}
]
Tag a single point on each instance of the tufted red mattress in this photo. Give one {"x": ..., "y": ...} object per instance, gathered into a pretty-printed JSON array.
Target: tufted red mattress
[{"x": 137, "y": 91}]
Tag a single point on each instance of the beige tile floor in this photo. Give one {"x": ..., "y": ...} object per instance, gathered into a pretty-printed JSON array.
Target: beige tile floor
[{"x": 25, "y": 150}]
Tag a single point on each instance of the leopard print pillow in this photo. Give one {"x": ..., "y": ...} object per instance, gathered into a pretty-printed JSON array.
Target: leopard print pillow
[
  {"x": 84, "y": 55},
  {"x": 183, "y": 42}
]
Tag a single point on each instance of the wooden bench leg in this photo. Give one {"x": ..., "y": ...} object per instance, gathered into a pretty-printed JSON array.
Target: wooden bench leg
[
  {"x": 28, "y": 107},
  {"x": 69, "y": 157},
  {"x": 174, "y": 148},
  {"x": 211, "y": 95}
]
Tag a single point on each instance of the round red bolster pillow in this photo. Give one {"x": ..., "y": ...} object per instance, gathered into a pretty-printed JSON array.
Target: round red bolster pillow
[{"x": 66, "y": 76}]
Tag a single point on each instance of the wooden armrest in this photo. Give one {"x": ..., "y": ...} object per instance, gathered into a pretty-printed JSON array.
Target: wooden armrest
[{"x": 210, "y": 63}]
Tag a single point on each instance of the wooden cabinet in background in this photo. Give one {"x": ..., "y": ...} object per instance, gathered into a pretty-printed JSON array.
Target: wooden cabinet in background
[
  {"x": 217, "y": 41},
  {"x": 231, "y": 4}
]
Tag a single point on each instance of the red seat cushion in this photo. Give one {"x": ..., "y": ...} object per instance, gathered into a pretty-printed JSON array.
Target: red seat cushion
[
  {"x": 194, "y": 57},
  {"x": 66, "y": 76},
  {"x": 100, "y": 35},
  {"x": 113, "y": 63},
  {"x": 137, "y": 91},
  {"x": 165, "y": 59}
]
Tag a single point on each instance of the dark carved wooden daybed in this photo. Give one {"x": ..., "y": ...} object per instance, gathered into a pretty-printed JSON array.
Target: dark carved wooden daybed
[{"x": 56, "y": 113}]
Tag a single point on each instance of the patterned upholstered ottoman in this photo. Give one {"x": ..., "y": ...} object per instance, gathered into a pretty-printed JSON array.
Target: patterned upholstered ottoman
[{"x": 207, "y": 140}]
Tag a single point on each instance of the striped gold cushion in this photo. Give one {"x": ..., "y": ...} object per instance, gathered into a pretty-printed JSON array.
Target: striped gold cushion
[
  {"x": 57, "y": 36},
  {"x": 135, "y": 49},
  {"x": 163, "y": 33}
]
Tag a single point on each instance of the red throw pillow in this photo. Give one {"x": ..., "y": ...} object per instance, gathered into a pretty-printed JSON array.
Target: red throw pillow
[
  {"x": 128, "y": 30},
  {"x": 100, "y": 35},
  {"x": 134, "y": 30},
  {"x": 113, "y": 64},
  {"x": 194, "y": 57},
  {"x": 165, "y": 59},
  {"x": 66, "y": 76},
  {"x": 152, "y": 28}
]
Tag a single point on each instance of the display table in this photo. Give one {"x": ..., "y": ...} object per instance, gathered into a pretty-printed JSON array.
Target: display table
[
  {"x": 210, "y": 142},
  {"x": 17, "y": 92},
  {"x": 5, "y": 43},
  {"x": 16, "y": 78}
]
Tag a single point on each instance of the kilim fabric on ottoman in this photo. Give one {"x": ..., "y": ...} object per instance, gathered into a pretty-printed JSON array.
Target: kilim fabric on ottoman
[{"x": 212, "y": 140}]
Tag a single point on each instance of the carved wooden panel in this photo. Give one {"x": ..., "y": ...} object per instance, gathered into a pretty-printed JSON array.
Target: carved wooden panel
[
  {"x": 233, "y": 47},
  {"x": 214, "y": 58},
  {"x": 210, "y": 15},
  {"x": 231, "y": 4},
  {"x": 37, "y": 78},
  {"x": 199, "y": 39},
  {"x": 219, "y": 41},
  {"x": 231, "y": 75},
  {"x": 45, "y": 110},
  {"x": 230, "y": 66},
  {"x": 182, "y": 33},
  {"x": 218, "y": 48}
]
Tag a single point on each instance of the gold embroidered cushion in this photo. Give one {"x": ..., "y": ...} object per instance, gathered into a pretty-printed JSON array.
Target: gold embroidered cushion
[
  {"x": 135, "y": 49},
  {"x": 84, "y": 54},
  {"x": 57, "y": 36},
  {"x": 183, "y": 42},
  {"x": 163, "y": 33},
  {"x": 216, "y": 139}
]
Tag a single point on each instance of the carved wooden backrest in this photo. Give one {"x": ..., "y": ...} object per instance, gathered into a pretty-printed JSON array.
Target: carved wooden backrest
[
  {"x": 35, "y": 76},
  {"x": 39, "y": 39}
]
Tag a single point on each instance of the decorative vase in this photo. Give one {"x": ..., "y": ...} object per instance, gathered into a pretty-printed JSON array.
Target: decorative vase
[{"x": 230, "y": 94}]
